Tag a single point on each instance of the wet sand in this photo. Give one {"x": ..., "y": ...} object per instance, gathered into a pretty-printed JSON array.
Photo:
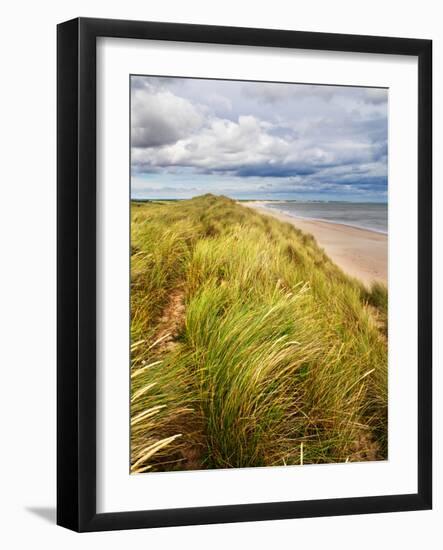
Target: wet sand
[{"x": 359, "y": 252}]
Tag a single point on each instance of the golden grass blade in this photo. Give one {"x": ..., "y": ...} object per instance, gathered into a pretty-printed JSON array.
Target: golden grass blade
[
  {"x": 146, "y": 414},
  {"x": 142, "y": 391},
  {"x": 152, "y": 449},
  {"x": 140, "y": 370}
]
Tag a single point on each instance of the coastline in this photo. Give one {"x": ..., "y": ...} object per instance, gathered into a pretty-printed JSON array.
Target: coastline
[{"x": 359, "y": 252}]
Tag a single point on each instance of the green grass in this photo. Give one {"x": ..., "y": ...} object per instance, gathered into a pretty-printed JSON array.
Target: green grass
[{"x": 249, "y": 346}]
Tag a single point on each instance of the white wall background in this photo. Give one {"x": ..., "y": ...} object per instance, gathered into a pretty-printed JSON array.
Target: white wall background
[{"x": 27, "y": 289}]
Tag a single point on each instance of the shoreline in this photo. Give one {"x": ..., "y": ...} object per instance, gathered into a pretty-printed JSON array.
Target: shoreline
[
  {"x": 361, "y": 253},
  {"x": 303, "y": 218}
]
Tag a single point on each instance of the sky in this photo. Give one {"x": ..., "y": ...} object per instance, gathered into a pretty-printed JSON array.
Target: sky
[{"x": 257, "y": 140}]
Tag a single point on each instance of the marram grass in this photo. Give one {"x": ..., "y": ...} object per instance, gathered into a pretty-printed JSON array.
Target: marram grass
[{"x": 249, "y": 346}]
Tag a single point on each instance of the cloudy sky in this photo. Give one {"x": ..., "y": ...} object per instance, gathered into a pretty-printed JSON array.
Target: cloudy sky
[{"x": 257, "y": 140}]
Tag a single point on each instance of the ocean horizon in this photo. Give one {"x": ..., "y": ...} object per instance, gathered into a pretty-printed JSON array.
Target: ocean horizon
[{"x": 363, "y": 215}]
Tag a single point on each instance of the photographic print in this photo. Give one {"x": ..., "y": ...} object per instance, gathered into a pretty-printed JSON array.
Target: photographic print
[{"x": 259, "y": 301}]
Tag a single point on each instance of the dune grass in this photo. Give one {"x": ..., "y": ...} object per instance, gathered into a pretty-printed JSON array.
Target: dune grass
[{"x": 249, "y": 346}]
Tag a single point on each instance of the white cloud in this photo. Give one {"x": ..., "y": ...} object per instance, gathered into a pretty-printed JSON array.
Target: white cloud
[
  {"x": 221, "y": 144},
  {"x": 159, "y": 117}
]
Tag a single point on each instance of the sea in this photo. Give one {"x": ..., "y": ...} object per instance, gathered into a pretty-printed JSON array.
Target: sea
[{"x": 365, "y": 215}]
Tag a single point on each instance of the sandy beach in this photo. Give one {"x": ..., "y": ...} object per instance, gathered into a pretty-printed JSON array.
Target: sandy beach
[{"x": 359, "y": 252}]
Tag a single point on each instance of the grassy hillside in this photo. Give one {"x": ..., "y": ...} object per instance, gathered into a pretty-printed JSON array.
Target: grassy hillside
[{"x": 249, "y": 346}]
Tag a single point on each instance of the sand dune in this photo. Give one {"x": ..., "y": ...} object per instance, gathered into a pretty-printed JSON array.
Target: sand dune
[{"x": 359, "y": 252}]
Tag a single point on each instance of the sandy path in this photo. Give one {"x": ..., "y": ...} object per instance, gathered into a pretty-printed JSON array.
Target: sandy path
[{"x": 359, "y": 252}]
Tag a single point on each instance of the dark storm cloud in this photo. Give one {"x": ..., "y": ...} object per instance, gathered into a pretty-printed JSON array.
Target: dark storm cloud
[{"x": 269, "y": 170}]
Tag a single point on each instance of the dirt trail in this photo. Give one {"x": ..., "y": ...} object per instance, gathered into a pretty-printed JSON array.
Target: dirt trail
[
  {"x": 171, "y": 321},
  {"x": 168, "y": 329}
]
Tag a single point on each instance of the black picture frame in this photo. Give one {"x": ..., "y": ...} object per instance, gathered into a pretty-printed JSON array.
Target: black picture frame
[{"x": 76, "y": 280}]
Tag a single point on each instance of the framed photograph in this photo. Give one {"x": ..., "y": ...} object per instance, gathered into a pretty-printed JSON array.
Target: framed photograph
[{"x": 244, "y": 274}]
